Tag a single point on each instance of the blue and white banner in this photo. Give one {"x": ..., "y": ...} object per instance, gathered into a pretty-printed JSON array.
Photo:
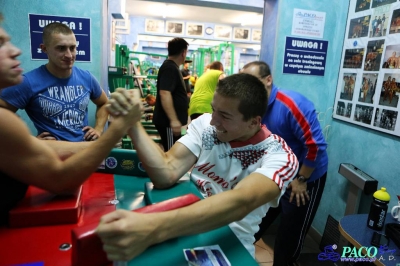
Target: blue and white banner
[
  {"x": 305, "y": 56},
  {"x": 80, "y": 27}
]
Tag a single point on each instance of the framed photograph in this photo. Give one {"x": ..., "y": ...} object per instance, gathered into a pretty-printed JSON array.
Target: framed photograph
[
  {"x": 359, "y": 27},
  {"x": 391, "y": 58},
  {"x": 377, "y": 3},
  {"x": 256, "y": 35},
  {"x": 380, "y": 22},
  {"x": 373, "y": 58},
  {"x": 367, "y": 88},
  {"x": 385, "y": 119},
  {"x": 154, "y": 25},
  {"x": 242, "y": 34},
  {"x": 344, "y": 108},
  {"x": 353, "y": 58},
  {"x": 389, "y": 90},
  {"x": 362, "y": 5},
  {"x": 175, "y": 27},
  {"x": 223, "y": 32},
  {"x": 363, "y": 114},
  {"x": 347, "y": 88},
  {"x": 194, "y": 29},
  {"x": 395, "y": 22}
]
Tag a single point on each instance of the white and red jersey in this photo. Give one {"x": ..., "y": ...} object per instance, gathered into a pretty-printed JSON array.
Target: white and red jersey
[{"x": 221, "y": 165}]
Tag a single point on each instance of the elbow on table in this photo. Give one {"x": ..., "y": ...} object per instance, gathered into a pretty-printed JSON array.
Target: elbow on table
[{"x": 162, "y": 184}]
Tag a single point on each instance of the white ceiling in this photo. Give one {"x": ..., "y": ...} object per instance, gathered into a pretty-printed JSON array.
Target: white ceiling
[{"x": 193, "y": 13}]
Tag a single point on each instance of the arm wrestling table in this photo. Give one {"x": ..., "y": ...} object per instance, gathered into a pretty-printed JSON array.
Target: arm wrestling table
[
  {"x": 40, "y": 245},
  {"x": 354, "y": 229}
]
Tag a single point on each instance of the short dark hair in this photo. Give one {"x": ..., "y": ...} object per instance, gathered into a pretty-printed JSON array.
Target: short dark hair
[
  {"x": 249, "y": 90},
  {"x": 217, "y": 65},
  {"x": 177, "y": 46},
  {"x": 263, "y": 68},
  {"x": 55, "y": 27}
]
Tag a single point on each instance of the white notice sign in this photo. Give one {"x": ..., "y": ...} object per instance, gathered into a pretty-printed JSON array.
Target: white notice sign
[{"x": 308, "y": 23}]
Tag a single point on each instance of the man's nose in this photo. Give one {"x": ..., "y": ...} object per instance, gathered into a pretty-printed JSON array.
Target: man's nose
[
  {"x": 214, "y": 120},
  {"x": 68, "y": 53},
  {"x": 15, "y": 51}
]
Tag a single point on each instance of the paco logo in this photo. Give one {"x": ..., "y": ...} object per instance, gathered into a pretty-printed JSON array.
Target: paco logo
[{"x": 362, "y": 254}]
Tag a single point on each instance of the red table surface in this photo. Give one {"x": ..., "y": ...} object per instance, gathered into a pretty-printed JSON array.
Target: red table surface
[{"x": 41, "y": 243}]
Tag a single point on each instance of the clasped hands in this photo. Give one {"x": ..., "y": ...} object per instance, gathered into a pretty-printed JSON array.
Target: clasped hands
[{"x": 126, "y": 103}]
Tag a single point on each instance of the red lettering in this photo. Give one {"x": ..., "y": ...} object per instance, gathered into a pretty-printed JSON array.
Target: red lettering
[
  {"x": 202, "y": 183},
  {"x": 203, "y": 167},
  {"x": 218, "y": 179}
]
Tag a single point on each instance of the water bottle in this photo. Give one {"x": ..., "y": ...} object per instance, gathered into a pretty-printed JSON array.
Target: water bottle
[{"x": 378, "y": 210}]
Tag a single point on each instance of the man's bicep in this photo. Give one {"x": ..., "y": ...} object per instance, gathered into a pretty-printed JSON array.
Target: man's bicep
[
  {"x": 101, "y": 100},
  {"x": 4, "y": 104},
  {"x": 22, "y": 154},
  {"x": 181, "y": 158}
]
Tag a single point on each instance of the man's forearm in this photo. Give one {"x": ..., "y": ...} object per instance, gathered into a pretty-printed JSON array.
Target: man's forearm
[
  {"x": 65, "y": 149},
  {"x": 168, "y": 106},
  {"x": 101, "y": 118},
  {"x": 216, "y": 211},
  {"x": 154, "y": 160}
]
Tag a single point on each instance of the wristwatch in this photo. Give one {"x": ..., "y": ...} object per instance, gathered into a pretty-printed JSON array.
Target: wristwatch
[{"x": 302, "y": 178}]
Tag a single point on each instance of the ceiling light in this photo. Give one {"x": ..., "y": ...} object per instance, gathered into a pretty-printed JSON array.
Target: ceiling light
[{"x": 165, "y": 10}]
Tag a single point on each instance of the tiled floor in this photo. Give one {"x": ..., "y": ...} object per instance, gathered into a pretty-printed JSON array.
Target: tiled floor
[{"x": 265, "y": 248}]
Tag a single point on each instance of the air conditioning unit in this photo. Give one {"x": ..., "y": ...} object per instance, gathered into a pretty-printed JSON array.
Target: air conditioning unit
[{"x": 122, "y": 23}]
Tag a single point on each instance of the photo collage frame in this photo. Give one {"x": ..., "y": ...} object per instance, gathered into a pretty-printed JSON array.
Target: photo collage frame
[{"x": 368, "y": 89}]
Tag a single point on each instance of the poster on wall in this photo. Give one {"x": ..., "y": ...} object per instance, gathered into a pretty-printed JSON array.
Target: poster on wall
[
  {"x": 242, "y": 34},
  {"x": 175, "y": 27},
  {"x": 305, "y": 56},
  {"x": 308, "y": 23},
  {"x": 368, "y": 88},
  {"x": 80, "y": 27},
  {"x": 154, "y": 26}
]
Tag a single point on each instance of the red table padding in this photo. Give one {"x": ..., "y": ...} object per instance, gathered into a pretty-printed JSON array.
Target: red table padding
[
  {"x": 85, "y": 241},
  {"x": 41, "y": 243},
  {"x": 40, "y": 207}
]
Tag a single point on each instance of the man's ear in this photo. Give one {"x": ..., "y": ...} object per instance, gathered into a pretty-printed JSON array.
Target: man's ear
[
  {"x": 256, "y": 121},
  {"x": 268, "y": 80},
  {"x": 43, "y": 47}
]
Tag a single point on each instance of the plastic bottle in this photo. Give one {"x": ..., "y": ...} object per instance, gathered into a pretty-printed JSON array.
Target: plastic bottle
[{"x": 378, "y": 210}]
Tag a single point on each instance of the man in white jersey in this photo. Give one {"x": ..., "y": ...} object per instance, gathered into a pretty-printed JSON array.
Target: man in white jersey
[{"x": 239, "y": 166}]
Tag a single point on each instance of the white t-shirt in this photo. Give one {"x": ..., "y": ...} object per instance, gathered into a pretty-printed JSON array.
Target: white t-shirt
[{"x": 221, "y": 165}]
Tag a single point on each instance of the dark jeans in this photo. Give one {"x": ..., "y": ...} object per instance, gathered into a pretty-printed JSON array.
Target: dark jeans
[{"x": 294, "y": 224}]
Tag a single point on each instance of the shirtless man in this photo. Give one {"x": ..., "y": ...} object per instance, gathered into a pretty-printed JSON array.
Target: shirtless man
[
  {"x": 392, "y": 61},
  {"x": 386, "y": 86}
]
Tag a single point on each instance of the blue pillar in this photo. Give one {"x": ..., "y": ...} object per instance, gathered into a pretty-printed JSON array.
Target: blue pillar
[{"x": 269, "y": 28}]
